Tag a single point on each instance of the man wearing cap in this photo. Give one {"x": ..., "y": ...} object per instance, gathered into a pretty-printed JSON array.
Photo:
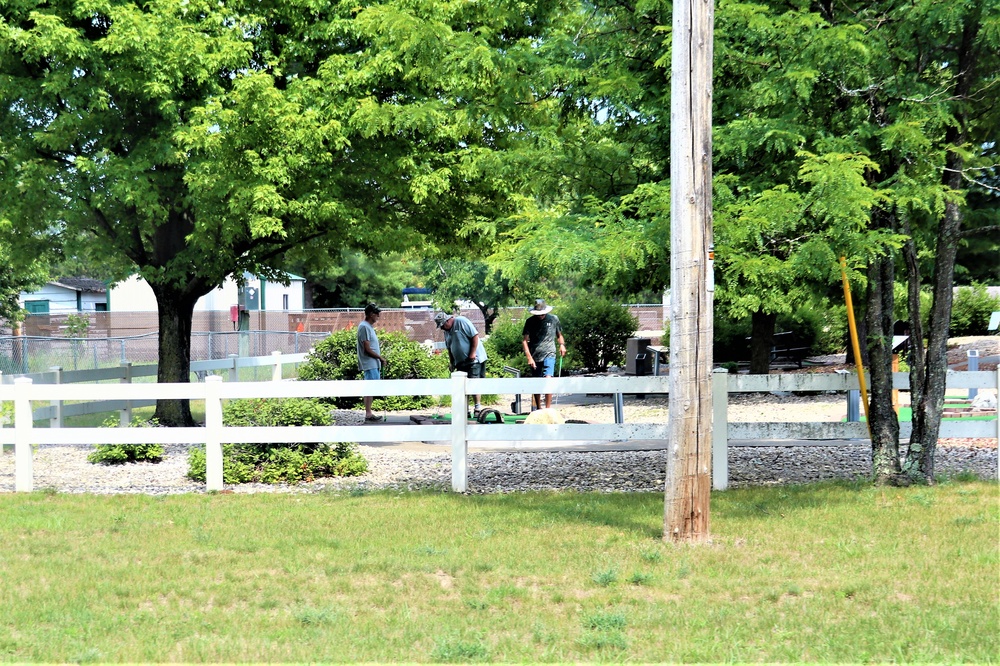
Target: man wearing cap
[
  {"x": 540, "y": 333},
  {"x": 369, "y": 355},
  {"x": 465, "y": 349}
]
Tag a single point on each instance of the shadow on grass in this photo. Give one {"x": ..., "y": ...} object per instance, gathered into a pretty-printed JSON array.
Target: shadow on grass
[
  {"x": 764, "y": 501},
  {"x": 642, "y": 513}
]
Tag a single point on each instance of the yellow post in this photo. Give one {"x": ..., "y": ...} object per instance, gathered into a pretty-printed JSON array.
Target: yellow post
[{"x": 854, "y": 341}]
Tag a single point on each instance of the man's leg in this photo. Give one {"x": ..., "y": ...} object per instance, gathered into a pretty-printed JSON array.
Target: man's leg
[
  {"x": 549, "y": 367},
  {"x": 367, "y": 400},
  {"x": 537, "y": 371}
]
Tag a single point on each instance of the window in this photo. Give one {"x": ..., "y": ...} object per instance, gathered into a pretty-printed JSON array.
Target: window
[
  {"x": 284, "y": 301},
  {"x": 37, "y": 307}
]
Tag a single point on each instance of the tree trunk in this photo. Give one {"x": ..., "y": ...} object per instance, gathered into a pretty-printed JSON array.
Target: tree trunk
[
  {"x": 175, "y": 313},
  {"x": 862, "y": 324},
  {"x": 761, "y": 340},
  {"x": 916, "y": 346},
  {"x": 919, "y": 462},
  {"x": 882, "y": 420},
  {"x": 489, "y": 316}
]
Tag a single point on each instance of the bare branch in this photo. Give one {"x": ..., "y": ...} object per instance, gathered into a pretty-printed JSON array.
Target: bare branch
[
  {"x": 967, "y": 177},
  {"x": 980, "y": 230}
]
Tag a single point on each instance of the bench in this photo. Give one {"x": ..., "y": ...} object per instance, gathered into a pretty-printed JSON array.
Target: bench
[{"x": 788, "y": 346}]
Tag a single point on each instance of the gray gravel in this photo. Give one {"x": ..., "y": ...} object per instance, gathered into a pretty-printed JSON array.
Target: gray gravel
[{"x": 65, "y": 469}]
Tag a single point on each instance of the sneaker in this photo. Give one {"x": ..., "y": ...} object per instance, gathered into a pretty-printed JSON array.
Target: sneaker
[
  {"x": 477, "y": 411},
  {"x": 374, "y": 419}
]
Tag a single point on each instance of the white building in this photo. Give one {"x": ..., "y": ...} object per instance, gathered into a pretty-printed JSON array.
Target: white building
[
  {"x": 66, "y": 296},
  {"x": 135, "y": 295}
]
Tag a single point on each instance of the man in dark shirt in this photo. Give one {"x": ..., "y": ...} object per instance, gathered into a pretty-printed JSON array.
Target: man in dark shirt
[{"x": 540, "y": 334}]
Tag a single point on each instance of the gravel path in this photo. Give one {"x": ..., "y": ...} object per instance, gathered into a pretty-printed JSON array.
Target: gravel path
[{"x": 65, "y": 468}]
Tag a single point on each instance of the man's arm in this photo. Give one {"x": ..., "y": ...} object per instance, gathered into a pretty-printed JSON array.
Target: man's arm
[
  {"x": 473, "y": 347},
  {"x": 527, "y": 352},
  {"x": 371, "y": 352},
  {"x": 562, "y": 344}
]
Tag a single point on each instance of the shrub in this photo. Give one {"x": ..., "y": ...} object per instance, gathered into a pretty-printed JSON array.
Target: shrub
[
  {"x": 119, "y": 454},
  {"x": 279, "y": 463},
  {"x": 971, "y": 309},
  {"x": 819, "y": 323},
  {"x": 336, "y": 358},
  {"x": 901, "y": 308},
  {"x": 504, "y": 347},
  {"x": 597, "y": 331}
]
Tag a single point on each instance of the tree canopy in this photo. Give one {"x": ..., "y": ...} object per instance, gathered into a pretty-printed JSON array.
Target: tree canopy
[{"x": 192, "y": 140}]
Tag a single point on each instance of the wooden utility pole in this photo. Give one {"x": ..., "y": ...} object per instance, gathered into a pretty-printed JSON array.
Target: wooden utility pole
[{"x": 689, "y": 461}]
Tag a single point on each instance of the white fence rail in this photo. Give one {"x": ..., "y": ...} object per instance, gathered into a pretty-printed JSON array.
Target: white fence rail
[
  {"x": 126, "y": 372},
  {"x": 459, "y": 433}
]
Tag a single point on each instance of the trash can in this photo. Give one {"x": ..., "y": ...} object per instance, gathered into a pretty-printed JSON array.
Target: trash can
[{"x": 637, "y": 358}]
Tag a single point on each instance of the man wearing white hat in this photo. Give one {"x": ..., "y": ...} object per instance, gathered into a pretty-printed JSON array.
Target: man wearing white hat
[{"x": 540, "y": 333}]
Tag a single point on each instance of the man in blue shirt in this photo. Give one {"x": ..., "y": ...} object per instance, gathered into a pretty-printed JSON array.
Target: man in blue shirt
[
  {"x": 465, "y": 350},
  {"x": 369, "y": 355}
]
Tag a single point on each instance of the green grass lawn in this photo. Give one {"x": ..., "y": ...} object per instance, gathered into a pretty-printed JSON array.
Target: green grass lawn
[{"x": 830, "y": 573}]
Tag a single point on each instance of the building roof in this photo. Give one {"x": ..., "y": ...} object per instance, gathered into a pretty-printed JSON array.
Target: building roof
[{"x": 81, "y": 284}]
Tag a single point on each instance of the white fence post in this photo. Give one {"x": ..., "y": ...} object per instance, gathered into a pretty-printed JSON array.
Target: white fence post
[
  {"x": 23, "y": 474},
  {"x": 56, "y": 421},
  {"x": 233, "y": 375},
  {"x": 213, "y": 433},
  {"x": 276, "y": 372},
  {"x": 125, "y": 416},
  {"x": 720, "y": 429},
  {"x": 459, "y": 443}
]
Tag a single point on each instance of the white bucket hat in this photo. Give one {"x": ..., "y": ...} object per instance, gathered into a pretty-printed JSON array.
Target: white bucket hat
[{"x": 540, "y": 307}]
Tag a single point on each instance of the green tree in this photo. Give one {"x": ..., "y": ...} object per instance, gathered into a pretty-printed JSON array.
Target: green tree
[
  {"x": 350, "y": 279},
  {"x": 21, "y": 269},
  {"x": 847, "y": 129},
  {"x": 196, "y": 140},
  {"x": 476, "y": 281}
]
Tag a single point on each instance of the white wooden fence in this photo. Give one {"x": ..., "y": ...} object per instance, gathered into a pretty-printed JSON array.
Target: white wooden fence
[
  {"x": 459, "y": 432},
  {"x": 126, "y": 372}
]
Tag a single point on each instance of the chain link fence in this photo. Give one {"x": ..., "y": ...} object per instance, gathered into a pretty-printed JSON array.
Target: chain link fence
[
  {"x": 113, "y": 338},
  {"x": 29, "y": 354}
]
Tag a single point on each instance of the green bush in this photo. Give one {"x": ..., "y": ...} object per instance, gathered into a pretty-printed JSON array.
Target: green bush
[
  {"x": 901, "y": 307},
  {"x": 596, "y": 331},
  {"x": 504, "y": 347},
  {"x": 971, "y": 309},
  {"x": 336, "y": 358},
  {"x": 819, "y": 323},
  {"x": 276, "y": 412},
  {"x": 279, "y": 463},
  {"x": 119, "y": 454}
]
